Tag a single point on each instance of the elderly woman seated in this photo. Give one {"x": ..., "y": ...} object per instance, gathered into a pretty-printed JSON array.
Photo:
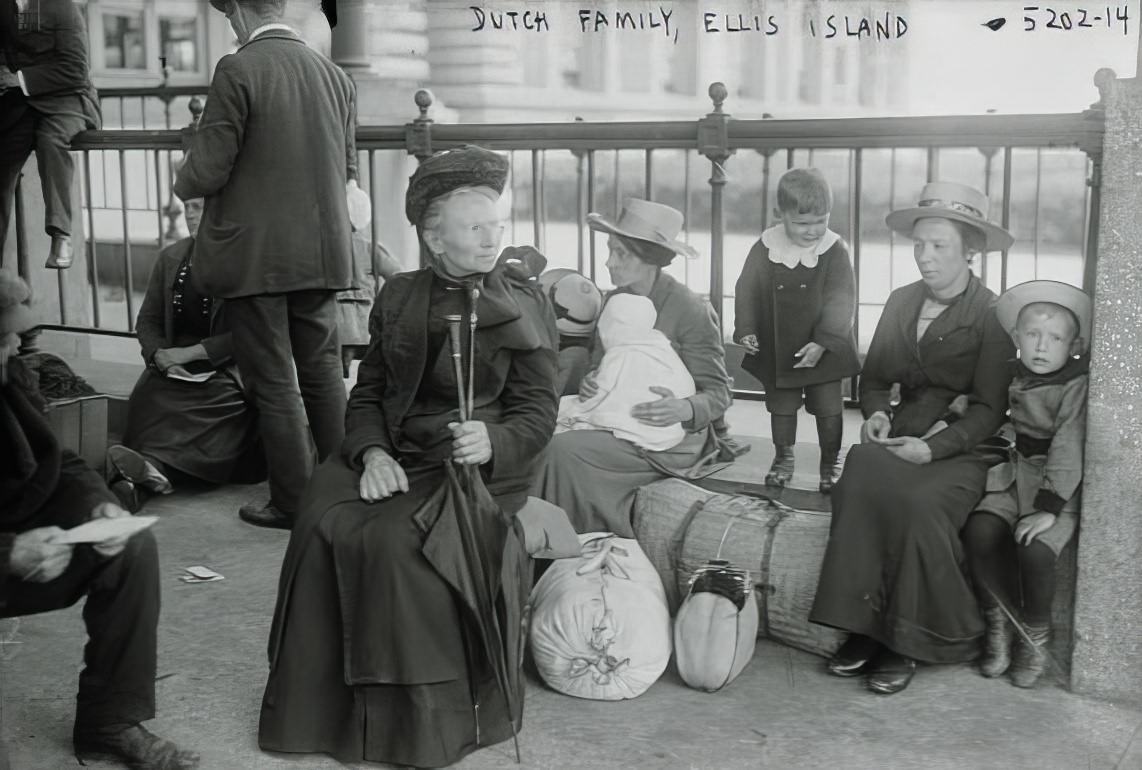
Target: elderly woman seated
[
  {"x": 188, "y": 416},
  {"x": 894, "y": 572},
  {"x": 592, "y": 474},
  {"x": 373, "y": 653}
]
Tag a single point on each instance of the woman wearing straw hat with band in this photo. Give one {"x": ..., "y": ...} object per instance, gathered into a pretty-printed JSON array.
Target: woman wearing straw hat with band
[
  {"x": 372, "y": 651},
  {"x": 893, "y": 573},
  {"x": 593, "y": 475}
]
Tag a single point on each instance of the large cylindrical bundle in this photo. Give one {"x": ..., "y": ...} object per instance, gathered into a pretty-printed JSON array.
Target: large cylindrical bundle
[{"x": 600, "y": 627}]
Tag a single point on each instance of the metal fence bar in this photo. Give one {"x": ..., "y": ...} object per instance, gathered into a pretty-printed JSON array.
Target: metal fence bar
[
  {"x": 159, "y": 200},
  {"x": 22, "y": 268},
  {"x": 648, "y": 178},
  {"x": 92, "y": 259},
  {"x": 536, "y": 203},
  {"x": 128, "y": 279},
  {"x": 1038, "y": 202},
  {"x": 856, "y": 188},
  {"x": 591, "y": 207},
  {"x": 1005, "y": 217},
  {"x": 374, "y": 227}
]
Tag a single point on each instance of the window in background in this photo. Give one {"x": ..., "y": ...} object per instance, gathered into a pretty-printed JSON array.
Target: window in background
[
  {"x": 178, "y": 41},
  {"x": 124, "y": 43}
]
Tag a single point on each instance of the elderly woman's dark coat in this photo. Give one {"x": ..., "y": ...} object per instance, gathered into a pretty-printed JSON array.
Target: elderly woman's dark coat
[
  {"x": 367, "y": 648},
  {"x": 894, "y": 567},
  {"x": 208, "y": 430}
]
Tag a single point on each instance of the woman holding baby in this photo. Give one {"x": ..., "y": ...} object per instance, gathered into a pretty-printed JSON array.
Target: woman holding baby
[{"x": 592, "y": 474}]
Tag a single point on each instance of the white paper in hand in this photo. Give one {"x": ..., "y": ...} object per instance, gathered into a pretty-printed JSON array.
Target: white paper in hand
[{"x": 102, "y": 530}]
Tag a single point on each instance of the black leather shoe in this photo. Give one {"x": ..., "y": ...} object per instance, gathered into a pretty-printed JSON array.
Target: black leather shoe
[
  {"x": 853, "y": 656},
  {"x": 59, "y": 256},
  {"x": 264, "y": 516},
  {"x": 890, "y": 673},
  {"x": 133, "y": 745}
]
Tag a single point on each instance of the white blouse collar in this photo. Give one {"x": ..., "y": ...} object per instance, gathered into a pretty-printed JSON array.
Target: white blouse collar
[{"x": 783, "y": 251}]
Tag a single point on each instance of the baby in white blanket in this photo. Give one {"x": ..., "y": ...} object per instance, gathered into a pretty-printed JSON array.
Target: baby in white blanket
[{"x": 636, "y": 357}]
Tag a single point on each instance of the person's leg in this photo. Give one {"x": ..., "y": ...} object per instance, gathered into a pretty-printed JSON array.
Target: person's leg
[
  {"x": 316, "y": 352},
  {"x": 782, "y": 404},
  {"x": 824, "y": 402},
  {"x": 17, "y": 138},
  {"x": 1037, "y": 577},
  {"x": 57, "y": 169},
  {"x": 990, "y": 552},
  {"x": 260, "y": 329}
]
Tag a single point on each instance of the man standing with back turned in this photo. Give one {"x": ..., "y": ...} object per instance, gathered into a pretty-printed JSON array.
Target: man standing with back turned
[{"x": 273, "y": 152}]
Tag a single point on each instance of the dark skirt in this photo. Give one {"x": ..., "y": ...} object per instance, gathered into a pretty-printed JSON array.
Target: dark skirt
[
  {"x": 894, "y": 568},
  {"x": 207, "y": 430},
  {"x": 373, "y": 660}
]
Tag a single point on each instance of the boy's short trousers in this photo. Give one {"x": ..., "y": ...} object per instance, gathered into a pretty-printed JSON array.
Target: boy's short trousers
[{"x": 821, "y": 400}]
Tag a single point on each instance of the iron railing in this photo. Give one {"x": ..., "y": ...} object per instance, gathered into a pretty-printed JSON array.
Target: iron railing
[{"x": 1033, "y": 166}]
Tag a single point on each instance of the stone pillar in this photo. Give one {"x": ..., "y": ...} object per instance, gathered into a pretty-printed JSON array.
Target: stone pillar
[
  {"x": 383, "y": 46},
  {"x": 1107, "y": 659},
  {"x": 462, "y": 58}
]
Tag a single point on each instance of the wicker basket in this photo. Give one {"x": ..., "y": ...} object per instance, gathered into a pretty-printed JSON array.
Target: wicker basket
[{"x": 681, "y": 527}]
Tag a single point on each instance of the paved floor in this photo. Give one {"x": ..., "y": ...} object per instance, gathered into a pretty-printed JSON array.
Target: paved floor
[{"x": 783, "y": 712}]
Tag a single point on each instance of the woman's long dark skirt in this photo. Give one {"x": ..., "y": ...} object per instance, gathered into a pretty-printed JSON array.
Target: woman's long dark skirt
[
  {"x": 894, "y": 569},
  {"x": 207, "y": 430},
  {"x": 361, "y": 576}
]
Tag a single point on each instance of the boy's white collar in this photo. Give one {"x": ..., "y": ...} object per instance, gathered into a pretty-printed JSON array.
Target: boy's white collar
[{"x": 783, "y": 251}]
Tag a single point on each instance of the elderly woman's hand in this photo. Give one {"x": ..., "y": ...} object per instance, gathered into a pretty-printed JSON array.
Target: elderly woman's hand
[
  {"x": 667, "y": 410},
  {"x": 876, "y": 428},
  {"x": 382, "y": 477},
  {"x": 470, "y": 442},
  {"x": 909, "y": 448}
]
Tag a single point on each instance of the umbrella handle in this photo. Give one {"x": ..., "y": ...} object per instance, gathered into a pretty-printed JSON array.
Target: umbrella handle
[{"x": 457, "y": 363}]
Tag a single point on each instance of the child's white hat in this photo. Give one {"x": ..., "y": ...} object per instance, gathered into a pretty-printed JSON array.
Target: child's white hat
[{"x": 1072, "y": 298}]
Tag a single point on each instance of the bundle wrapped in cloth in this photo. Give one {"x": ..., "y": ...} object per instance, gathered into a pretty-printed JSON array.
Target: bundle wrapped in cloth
[
  {"x": 600, "y": 627},
  {"x": 716, "y": 628}
]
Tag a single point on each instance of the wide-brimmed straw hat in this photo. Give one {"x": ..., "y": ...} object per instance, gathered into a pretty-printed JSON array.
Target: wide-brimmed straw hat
[
  {"x": 643, "y": 220},
  {"x": 576, "y": 299},
  {"x": 955, "y": 201},
  {"x": 465, "y": 166},
  {"x": 15, "y": 315},
  {"x": 1012, "y": 301}
]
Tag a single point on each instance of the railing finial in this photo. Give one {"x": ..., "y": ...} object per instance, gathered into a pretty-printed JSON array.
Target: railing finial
[
  {"x": 424, "y": 100},
  {"x": 718, "y": 93},
  {"x": 418, "y": 134},
  {"x": 196, "y": 106},
  {"x": 1103, "y": 79}
]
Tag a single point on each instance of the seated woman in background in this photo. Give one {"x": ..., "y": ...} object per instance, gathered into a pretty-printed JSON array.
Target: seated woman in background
[
  {"x": 592, "y": 474},
  {"x": 187, "y": 415},
  {"x": 894, "y": 573}
]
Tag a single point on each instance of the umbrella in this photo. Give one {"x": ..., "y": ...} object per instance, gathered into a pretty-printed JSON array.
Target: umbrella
[
  {"x": 467, "y": 532},
  {"x": 465, "y": 542}
]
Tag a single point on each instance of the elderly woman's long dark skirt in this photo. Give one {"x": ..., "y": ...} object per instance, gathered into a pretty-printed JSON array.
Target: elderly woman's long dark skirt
[
  {"x": 894, "y": 569},
  {"x": 404, "y": 696}
]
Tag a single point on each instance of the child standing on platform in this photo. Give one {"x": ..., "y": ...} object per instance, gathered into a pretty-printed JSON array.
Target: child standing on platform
[{"x": 796, "y": 300}]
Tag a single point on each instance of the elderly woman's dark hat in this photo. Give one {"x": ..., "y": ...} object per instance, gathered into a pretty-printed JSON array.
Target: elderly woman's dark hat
[
  {"x": 957, "y": 202},
  {"x": 465, "y": 166}
]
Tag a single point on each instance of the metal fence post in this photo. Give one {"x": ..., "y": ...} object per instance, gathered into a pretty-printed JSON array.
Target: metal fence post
[{"x": 714, "y": 143}]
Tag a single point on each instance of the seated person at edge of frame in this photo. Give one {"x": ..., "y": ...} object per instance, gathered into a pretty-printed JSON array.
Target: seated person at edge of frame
[
  {"x": 188, "y": 417},
  {"x": 44, "y": 491},
  {"x": 46, "y": 98},
  {"x": 1031, "y": 508}
]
